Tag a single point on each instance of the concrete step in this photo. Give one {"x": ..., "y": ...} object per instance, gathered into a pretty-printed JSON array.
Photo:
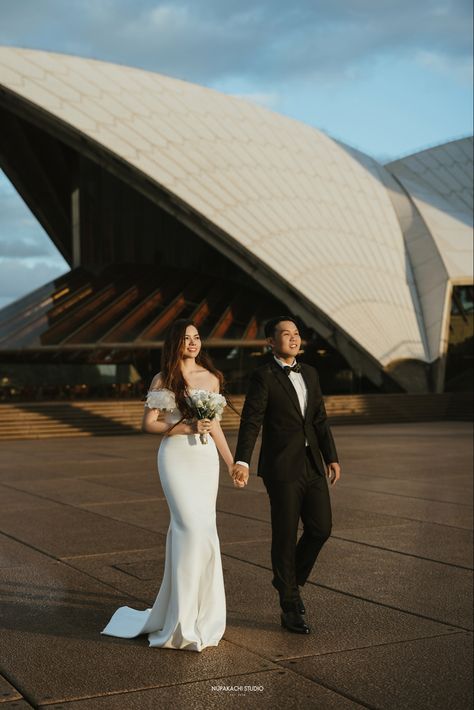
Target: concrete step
[{"x": 31, "y": 420}]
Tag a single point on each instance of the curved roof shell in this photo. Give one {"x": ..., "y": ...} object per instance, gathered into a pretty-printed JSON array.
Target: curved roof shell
[
  {"x": 440, "y": 183},
  {"x": 434, "y": 200},
  {"x": 314, "y": 218}
]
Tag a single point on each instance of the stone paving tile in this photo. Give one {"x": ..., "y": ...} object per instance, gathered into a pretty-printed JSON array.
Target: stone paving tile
[
  {"x": 233, "y": 529},
  {"x": 450, "y": 492},
  {"x": 356, "y": 476},
  {"x": 338, "y": 621},
  {"x": 253, "y": 620},
  {"x": 245, "y": 502},
  {"x": 34, "y": 469},
  {"x": 389, "y": 456},
  {"x": 443, "y": 513},
  {"x": 150, "y": 514},
  {"x": 62, "y": 530},
  {"x": 408, "y": 583},
  {"x": 72, "y": 458},
  {"x": 349, "y": 519},
  {"x": 69, "y": 447},
  {"x": 7, "y": 692},
  {"x": 75, "y": 491},
  {"x": 51, "y": 643},
  {"x": 430, "y": 673},
  {"x": 389, "y": 450},
  {"x": 432, "y": 542},
  {"x": 53, "y": 610},
  {"x": 53, "y": 453},
  {"x": 141, "y": 483},
  {"x": 152, "y": 569},
  {"x": 137, "y": 573},
  {"x": 255, "y": 505},
  {"x": 15, "y": 500},
  {"x": 231, "y": 692},
  {"x": 13, "y": 553}
]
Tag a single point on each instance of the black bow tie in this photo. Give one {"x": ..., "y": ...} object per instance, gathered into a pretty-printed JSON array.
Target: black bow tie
[{"x": 296, "y": 368}]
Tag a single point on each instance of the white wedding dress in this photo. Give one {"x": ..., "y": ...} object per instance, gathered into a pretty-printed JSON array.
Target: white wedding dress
[{"x": 189, "y": 612}]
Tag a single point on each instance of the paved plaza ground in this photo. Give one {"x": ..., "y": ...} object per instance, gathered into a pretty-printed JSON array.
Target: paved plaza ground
[{"x": 83, "y": 525}]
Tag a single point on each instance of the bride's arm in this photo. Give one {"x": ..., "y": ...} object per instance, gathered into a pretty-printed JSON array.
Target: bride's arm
[
  {"x": 221, "y": 442},
  {"x": 219, "y": 436},
  {"x": 152, "y": 424}
]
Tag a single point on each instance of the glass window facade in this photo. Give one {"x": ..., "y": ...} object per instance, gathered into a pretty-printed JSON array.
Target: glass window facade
[{"x": 460, "y": 355}]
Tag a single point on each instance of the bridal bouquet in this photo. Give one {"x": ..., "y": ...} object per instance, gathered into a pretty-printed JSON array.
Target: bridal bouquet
[{"x": 206, "y": 405}]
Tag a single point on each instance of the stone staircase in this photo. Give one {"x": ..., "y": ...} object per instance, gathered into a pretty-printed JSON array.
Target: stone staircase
[
  {"x": 42, "y": 420},
  {"x": 391, "y": 408}
]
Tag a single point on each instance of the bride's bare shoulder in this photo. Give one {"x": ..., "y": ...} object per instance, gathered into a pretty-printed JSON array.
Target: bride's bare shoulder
[{"x": 157, "y": 382}]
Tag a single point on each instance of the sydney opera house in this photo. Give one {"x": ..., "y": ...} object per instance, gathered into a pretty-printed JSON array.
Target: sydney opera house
[{"x": 169, "y": 199}]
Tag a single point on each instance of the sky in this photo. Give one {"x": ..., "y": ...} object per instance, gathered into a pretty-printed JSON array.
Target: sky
[{"x": 389, "y": 77}]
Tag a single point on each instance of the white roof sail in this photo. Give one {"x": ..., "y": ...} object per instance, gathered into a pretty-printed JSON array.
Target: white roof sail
[
  {"x": 438, "y": 227},
  {"x": 440, "y": 183},
  {"x": 303, "y": 205}
]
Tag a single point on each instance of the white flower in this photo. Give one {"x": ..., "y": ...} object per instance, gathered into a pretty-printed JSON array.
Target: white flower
[{"x": 207, "y": 405}]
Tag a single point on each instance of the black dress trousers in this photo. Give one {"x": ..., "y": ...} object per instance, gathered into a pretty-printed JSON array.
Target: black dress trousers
[{"x": 306, "y": 497}]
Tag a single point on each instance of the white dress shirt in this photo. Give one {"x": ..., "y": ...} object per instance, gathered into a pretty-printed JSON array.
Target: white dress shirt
[{"x": 297, "y": 380}]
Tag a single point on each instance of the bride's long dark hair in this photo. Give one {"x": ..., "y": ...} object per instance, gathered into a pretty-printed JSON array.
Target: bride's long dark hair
[{"x": 171, "y": 375}]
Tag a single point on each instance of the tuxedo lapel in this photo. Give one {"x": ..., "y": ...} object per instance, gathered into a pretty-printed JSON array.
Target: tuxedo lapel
[{"x": 284, "y": 381}]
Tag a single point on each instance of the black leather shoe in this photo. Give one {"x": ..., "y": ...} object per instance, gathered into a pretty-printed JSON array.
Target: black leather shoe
[
  {"x": 301, "y": 607},
  {"x": 294, "y": 622}
]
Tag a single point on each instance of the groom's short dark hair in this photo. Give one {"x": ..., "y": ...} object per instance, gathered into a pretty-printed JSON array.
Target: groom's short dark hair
[{"x": 271, "y": 324}]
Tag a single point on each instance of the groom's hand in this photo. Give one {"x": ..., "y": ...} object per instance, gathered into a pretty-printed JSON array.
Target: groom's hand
[
  {"x": 333, "y": 472},
  {"x": 240, "y": 474},
  {"x": 237, "y": 483}
]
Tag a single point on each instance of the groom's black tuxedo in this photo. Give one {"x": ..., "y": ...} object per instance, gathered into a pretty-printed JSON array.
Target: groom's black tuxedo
[
  {"x": 272, "y": 402},
  {"x": 292, "y": 469}
]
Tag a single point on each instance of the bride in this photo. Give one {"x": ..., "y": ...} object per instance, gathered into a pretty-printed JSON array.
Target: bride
[{"x": 190, "y": 611}]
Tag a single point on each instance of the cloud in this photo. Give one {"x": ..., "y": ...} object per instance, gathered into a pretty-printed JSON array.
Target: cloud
[
  {"x": 264, "y": 40},
  {"x": 24, "y": 248},
  {"x": 28, "y": 258},
  {"x": 20, "y": 233},
  {"x": 458, "y": 68},
  {"x": 18, "y": 277}
]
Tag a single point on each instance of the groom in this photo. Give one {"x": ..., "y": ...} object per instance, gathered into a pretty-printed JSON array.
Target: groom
[{"x": 285, "y": 398}]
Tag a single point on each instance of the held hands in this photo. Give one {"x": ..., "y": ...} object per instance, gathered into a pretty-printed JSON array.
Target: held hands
[
  {"x": 333, "y": 472},
  {"x": 239, "y": 474}
]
